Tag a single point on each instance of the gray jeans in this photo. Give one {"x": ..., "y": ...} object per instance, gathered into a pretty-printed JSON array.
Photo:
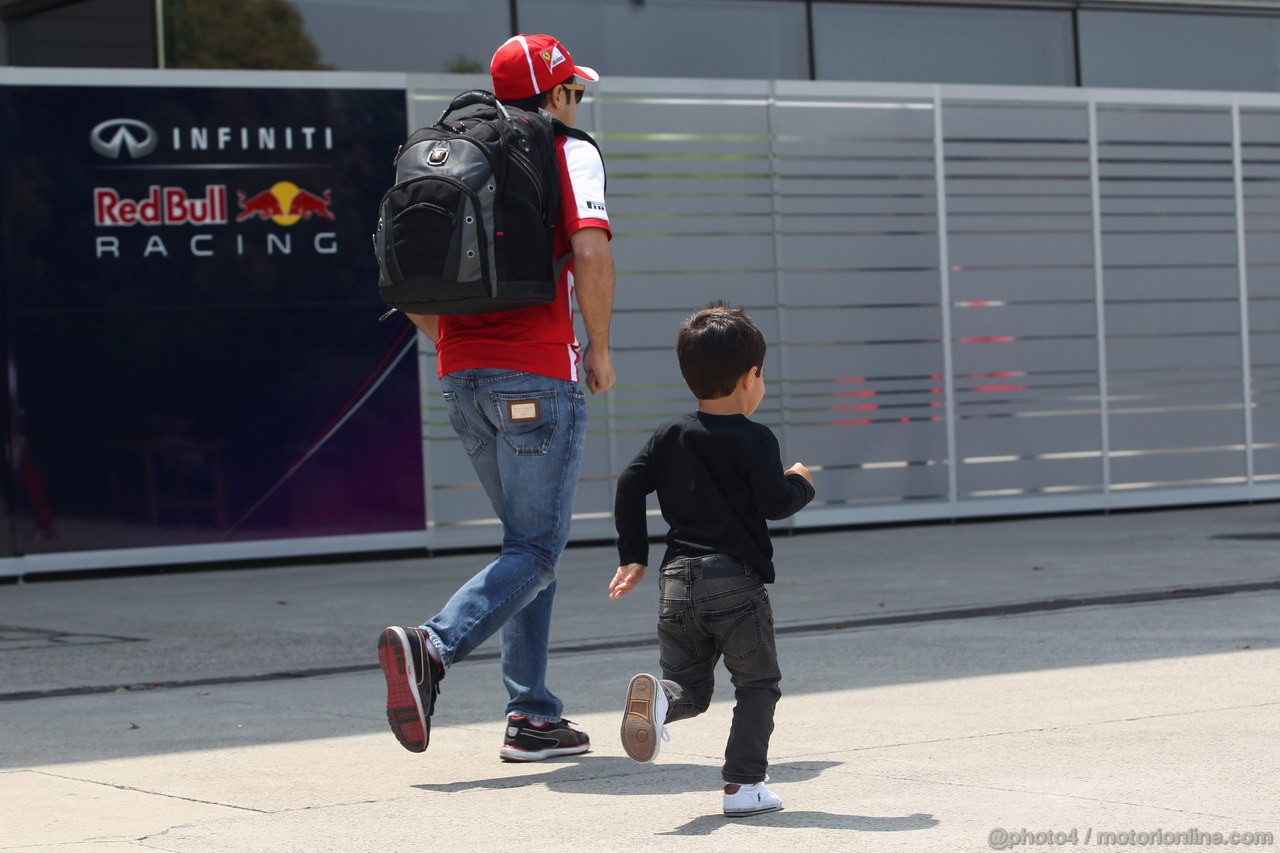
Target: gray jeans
[{"x": 706, "y": 612}]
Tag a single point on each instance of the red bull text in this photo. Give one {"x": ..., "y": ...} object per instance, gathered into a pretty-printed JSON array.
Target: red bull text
[{"x": 162, "y": 206}]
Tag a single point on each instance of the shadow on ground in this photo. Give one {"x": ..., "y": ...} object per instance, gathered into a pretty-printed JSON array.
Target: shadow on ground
[
  {"x": 589, "y": 774},
  {"x": 784, "y": 819}
]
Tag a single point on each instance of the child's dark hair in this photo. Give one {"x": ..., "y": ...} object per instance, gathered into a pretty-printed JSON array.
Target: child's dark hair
[{"x": 715, "y": 347}]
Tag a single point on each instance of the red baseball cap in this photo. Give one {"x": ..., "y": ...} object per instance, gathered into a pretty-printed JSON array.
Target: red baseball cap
[{"x": 528, "y": 65}]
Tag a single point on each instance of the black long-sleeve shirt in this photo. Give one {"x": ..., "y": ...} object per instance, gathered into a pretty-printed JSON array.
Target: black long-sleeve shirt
[{"x": 719, "y": 478}]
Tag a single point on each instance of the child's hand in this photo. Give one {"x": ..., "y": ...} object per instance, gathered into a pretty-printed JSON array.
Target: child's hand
[
  {"x": 626, "y": 577},
  {"x": 799, "y": 468}
]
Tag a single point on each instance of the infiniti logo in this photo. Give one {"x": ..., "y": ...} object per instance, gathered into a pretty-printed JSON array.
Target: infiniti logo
[{"x": 116, "y": 133}]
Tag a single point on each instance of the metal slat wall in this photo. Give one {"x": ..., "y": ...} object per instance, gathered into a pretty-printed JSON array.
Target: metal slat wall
[
  {"x": 978, "y": 300},
  {"x": 1258, "y": 153},
  {"x": 1023, "y": 300},
  {"x": 862, "y": 396},
  {"x": 1172, "y": 297}
]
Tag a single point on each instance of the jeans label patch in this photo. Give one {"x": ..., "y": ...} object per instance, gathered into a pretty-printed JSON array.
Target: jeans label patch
[{"x": 522, "y": 410}]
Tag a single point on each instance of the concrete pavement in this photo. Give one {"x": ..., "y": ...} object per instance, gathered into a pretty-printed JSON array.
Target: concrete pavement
[{"x": 1078, "y": 675}]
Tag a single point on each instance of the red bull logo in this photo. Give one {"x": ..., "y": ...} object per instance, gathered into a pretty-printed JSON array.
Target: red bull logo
[
  {"x": 284, "y": 203},
  {"x": 162, "y": 206}
]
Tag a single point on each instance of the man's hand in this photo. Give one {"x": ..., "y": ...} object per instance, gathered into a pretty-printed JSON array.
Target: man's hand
[
  {"x": 626, "y": 577},
  {"x": 798, "y": 468},
  {"x": 599, "y": 369}
]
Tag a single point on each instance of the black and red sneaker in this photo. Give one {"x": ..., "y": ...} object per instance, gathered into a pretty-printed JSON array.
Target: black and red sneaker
[
  {"x": 413, "y": 682},
  {"x": 530, "y": 741}
]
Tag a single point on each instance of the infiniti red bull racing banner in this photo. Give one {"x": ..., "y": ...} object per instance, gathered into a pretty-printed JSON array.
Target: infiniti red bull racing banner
[{"x": 192, "y": 308}]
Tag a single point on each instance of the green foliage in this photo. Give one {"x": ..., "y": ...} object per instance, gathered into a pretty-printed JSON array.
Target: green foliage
[
  {"x": 463, "y": 65},
  {"x": 256, "y": 34}
]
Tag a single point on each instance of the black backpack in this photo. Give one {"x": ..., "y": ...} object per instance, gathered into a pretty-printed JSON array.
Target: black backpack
[{"x": 468, "y": 226}]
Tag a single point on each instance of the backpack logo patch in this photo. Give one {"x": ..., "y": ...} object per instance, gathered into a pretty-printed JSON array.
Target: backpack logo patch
[{"x": 437, "y": 156}]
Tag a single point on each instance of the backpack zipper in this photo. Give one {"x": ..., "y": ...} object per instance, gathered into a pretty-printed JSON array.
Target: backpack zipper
[{"x": 528, "y": 168}]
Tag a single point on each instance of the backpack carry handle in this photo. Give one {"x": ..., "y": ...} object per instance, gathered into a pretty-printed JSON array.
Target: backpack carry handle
[{"x": 470, "y": 99}]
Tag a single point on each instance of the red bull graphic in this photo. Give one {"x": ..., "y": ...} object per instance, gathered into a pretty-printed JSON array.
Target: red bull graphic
[
  {"x": 162, "y": 206},
  {"x": 305, "y": 204},
  {"x": 264, "y": 205},
  {"x": 284, "y": 203}
]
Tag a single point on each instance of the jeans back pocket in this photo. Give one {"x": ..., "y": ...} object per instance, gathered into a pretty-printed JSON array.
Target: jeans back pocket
[
  {"x": 527, "y": 420},
  {"x": 739, "y": 629}
]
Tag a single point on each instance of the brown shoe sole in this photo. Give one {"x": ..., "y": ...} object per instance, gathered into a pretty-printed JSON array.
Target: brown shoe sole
[{"x": 639, "y": 737}]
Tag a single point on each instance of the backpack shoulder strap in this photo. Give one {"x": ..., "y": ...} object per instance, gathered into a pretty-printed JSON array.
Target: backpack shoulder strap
[{"x": 563, "y": 129}]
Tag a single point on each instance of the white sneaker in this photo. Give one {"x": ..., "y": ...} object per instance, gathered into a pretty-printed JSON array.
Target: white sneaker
[
  {"x": 642, "y": 721},
  {"x": 745, "y": 800}
]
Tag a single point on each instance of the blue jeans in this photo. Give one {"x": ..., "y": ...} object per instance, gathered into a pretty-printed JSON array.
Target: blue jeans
[{"x": 525, "y": 434}]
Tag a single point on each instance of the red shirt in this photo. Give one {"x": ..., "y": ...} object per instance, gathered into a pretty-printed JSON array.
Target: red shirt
[{"x": 540, "y": 339}]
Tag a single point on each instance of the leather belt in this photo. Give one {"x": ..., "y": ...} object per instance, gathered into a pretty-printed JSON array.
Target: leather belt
[{"x": 712, "y": 566}]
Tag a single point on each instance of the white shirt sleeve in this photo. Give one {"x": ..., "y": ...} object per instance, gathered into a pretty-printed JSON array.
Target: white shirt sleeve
[{"x": 582, "y": 187}]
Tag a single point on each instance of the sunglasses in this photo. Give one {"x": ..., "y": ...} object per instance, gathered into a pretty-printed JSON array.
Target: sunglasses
[{"x": 576, "y": 90}]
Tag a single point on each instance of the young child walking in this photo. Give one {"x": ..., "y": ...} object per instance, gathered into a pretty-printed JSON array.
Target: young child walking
[{"x": 719, "y": 478}]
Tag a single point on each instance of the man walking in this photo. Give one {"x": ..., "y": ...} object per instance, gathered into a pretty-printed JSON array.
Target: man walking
[{"x": 510, "y": 383}]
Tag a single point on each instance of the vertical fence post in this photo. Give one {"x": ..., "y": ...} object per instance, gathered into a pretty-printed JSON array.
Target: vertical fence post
[
  {"x": 610, "y": 408},
  {"x": 1242, "y": 269},
  {"x": 944, "y": 283},
  {"x": 779, "y": 274},
  {"x": 1099, "y": 302}
]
